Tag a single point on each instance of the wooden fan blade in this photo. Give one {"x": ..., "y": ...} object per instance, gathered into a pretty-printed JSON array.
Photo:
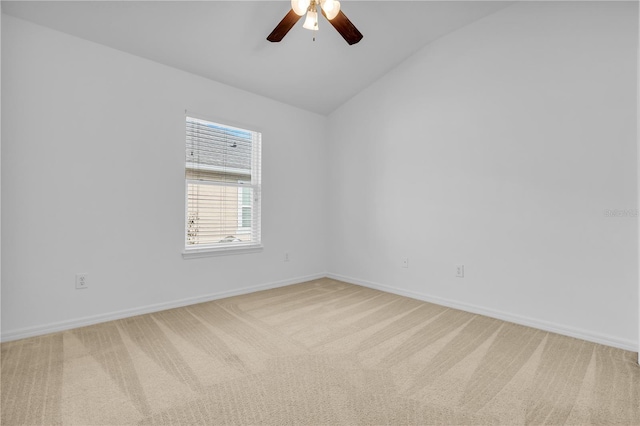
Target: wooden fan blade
[
  {"x": 347, "y": 30},
  {"x": 284, "y": 26}
]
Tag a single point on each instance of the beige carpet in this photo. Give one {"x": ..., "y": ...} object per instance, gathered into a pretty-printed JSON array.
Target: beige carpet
[{"x": 322, "y": 352}]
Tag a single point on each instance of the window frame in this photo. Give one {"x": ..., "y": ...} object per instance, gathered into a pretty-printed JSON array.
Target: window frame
[{"x": 195, "y": 251}]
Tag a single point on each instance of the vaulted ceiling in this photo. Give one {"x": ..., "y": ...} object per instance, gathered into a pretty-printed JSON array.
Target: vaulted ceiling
[{"x": 226, "y": 40}]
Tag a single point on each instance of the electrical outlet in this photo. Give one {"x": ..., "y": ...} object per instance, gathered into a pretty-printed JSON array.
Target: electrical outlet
[
  {"x": 460, "y": 271},
  {"x": 286, "y": 256},
  {"x": 405, "y": 262},
  {"x": 82, "y": 281}
]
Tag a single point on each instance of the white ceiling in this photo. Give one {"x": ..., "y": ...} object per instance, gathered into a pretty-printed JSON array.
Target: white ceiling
[{"x": 226, "y": 40}]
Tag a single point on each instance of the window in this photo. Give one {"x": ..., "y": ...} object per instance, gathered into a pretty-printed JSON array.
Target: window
[
  {"x": 244, "y": 209},
  {"x": 223, "y": 188}
]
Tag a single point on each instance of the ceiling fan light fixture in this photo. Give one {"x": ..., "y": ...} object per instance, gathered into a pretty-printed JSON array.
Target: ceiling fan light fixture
[
  {"x": 331, "y": 8},
  {"x": 300, "y": 6},
  {"x": 311, "y": 23}
]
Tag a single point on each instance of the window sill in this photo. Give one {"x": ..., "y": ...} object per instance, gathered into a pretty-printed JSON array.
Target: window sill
[{"x": 219, "y": 251}]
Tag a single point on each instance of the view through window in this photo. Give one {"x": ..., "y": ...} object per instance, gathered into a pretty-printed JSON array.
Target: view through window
[{"x": 223, "y": 187}]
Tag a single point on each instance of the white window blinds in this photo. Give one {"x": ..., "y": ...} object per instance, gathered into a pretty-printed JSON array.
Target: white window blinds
[{"x": 223, "y": 186}]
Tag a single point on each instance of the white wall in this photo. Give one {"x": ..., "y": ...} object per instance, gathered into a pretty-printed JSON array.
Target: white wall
[
  {"x": 0, "y": 168},
  {"x": 499, "y": 147},
  {"x": 93, "y": 181},
  {"x": 638, "y": 169}
]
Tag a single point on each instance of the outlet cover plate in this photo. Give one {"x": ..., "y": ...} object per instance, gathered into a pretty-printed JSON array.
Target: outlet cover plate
[{"x": 82, "y": 281}]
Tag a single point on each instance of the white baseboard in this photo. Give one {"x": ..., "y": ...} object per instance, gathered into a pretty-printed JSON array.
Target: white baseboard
[
  {"x": 517, "y": 319},
  {"x": 95, "y": 319},
  {"x": 514, "y": 318}
]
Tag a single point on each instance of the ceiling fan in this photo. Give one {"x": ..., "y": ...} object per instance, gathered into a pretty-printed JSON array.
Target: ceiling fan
[{"x": 329, "y": 8}]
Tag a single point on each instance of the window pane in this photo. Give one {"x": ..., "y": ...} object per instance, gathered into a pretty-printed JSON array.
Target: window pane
[
  {"x": 214, "y": 149},
  {"x": 246, "y": 196},
  {"x": 246, "y": 217},
  {"x": 222, "y": 172},
  {"x": 212, "y": 212}
]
